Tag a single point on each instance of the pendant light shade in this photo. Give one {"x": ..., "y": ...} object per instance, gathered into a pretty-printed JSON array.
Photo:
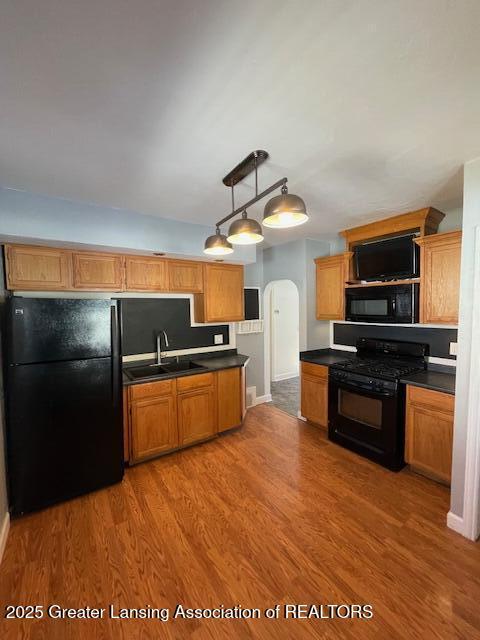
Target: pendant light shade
[
  {"x": 284, "y": 211},
  {"x": 217, "y": 245},
  {"x": 245, "y": 231}
]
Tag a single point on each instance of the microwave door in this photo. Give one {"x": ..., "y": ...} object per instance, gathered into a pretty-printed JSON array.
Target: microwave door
[{"x": 361, "y": 308}]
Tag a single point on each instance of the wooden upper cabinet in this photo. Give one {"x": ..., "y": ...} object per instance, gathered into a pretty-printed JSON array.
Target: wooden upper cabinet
[
  {"x": 229, "y": 398},
  {"x": 98, "y": 271},
  {"x": 37, "y": 268},
  {"x": 146, "y": 274},
  {"x": 222, "y": 299},
  {"x": 440, "y": 277},
  {"x": 185, "y": 276},
  {"x": 331, "y": 272}
]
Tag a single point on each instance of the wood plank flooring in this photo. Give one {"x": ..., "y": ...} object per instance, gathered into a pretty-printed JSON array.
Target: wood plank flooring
[{"x": 271, "y": 513}]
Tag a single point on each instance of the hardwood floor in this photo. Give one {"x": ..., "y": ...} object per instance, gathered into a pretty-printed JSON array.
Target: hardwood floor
[{"x": 271, "y": 513}]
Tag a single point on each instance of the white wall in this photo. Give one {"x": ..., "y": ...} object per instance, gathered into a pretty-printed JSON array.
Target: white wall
[
  {"x": 284, "y": 307},
  {"x": 32, "y": 216},
  {"x": 471, "y": 220}
]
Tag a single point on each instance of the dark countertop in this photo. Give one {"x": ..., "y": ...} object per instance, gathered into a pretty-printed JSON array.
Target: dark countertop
[
  {"x": 326, "y": 356},
  {"x": 436, "y": 377},
  {"x": 207, "y": 363}
]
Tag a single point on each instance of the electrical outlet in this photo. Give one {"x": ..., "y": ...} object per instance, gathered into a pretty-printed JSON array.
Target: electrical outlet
[
  {"x": 453, "y": 348},
  {"x": 218, "y": 338}
]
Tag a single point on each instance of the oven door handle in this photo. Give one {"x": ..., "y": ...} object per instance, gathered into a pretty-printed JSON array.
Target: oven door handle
[{"x": 371, "y": 392}]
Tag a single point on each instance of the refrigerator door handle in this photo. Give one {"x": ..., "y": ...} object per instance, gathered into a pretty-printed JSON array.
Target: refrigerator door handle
[{"x": 115, "y": 357}]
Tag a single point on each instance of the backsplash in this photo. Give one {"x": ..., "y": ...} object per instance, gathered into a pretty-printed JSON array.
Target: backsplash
[
  {"x": 438, "y": 339},
  {"x": 142, "y": 318}
]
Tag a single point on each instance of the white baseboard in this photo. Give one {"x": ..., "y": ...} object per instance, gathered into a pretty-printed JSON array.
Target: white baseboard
[
  {"x": 300, "y": 417},
  {"x": 4, "y": 534},
  {"x": 260, "y": 400},
  {"x": 286, "y": 376},
  {"x": 456, "y": 523}
]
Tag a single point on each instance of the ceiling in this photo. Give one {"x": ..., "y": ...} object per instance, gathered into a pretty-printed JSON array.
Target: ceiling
[{"x": 369, "y": 108}]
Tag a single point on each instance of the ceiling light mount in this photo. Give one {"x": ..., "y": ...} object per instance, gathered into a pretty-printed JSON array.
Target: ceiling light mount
[{"x": 245, "y": 167}]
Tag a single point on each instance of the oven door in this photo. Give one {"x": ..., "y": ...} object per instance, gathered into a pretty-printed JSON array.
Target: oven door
[
  {"x": 372, "y": 305},
  {"x": 367, "y": 422}
]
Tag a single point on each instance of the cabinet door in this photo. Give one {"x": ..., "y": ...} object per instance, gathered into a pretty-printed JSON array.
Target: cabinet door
[
  {"x": 146, "y": 274},
  {"x": 229, "y": 398},
  {"x": 185, "y": 276},
  {"x": 197, "y": 419},
  {"x": 37, "y": 268},
  {"x": 314, "y": 399},
  {"x": 440, "y": 278},
  {"x": 428, "y": 441},
  {"x": 330, "y": 288},
  {"x": 153, "y": 427},
  {"x": 98, "y": 271},
  {"x": 222, "y": 300}
]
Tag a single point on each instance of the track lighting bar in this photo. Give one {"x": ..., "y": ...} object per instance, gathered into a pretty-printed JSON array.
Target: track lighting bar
[{"x": 258, "y": 197}]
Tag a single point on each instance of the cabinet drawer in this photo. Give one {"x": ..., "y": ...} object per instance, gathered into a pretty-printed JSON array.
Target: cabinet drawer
[
  {"x": 429, "y": 398},
  {"x": 317, "y": 370},
  {"x": 151, "y": 389},
  {"x": 196, "y": 381}
]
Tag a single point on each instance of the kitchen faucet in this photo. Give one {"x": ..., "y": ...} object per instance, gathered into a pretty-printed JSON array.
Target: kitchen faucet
[{"x": 159, "y": 345}]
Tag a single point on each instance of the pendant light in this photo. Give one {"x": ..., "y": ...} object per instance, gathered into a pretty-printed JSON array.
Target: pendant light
[
  {"x": 281, "y": 212},
  {"x": 245, "y": 231},
  {"x": 284, "y": 211},
  {"x": 217, "y": 245}
]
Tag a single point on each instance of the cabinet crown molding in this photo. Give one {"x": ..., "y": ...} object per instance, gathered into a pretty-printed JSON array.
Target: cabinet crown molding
[{"x": 425, "y": 220}]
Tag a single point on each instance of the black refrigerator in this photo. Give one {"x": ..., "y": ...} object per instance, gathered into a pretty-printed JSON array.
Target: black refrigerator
[{"x": 63, "y": 399}]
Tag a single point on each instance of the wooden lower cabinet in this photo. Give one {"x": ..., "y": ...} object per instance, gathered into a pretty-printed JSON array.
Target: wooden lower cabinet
[
  {"x": 229, "y": 398},
  {"x": 164, "y": 415},
  {"x": 154, "y": 427},
  {"x": 197, "y": 416},
  {"x": 314, "y": 393},
  {"x": 429, "y": 432}
]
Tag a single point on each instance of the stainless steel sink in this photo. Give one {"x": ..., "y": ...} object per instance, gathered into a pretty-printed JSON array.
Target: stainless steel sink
[{"x": 154, "y": 370}]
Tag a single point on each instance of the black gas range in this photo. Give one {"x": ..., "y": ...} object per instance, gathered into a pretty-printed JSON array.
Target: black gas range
[{"x": 366, "y": 400}]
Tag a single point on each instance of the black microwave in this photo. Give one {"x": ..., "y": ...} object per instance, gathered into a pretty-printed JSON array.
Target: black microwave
[{"x": 384, "y": 303}]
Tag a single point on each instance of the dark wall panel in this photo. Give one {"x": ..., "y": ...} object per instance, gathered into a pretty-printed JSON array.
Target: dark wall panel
[
  {"x": 142, "y": 318},
  {"x": 438, "y": 339}
]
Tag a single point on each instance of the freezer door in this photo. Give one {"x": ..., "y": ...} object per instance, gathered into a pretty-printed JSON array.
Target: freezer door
[
  {"x": 64, "y": 431},
  {"x": 48, "y": 329}
]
